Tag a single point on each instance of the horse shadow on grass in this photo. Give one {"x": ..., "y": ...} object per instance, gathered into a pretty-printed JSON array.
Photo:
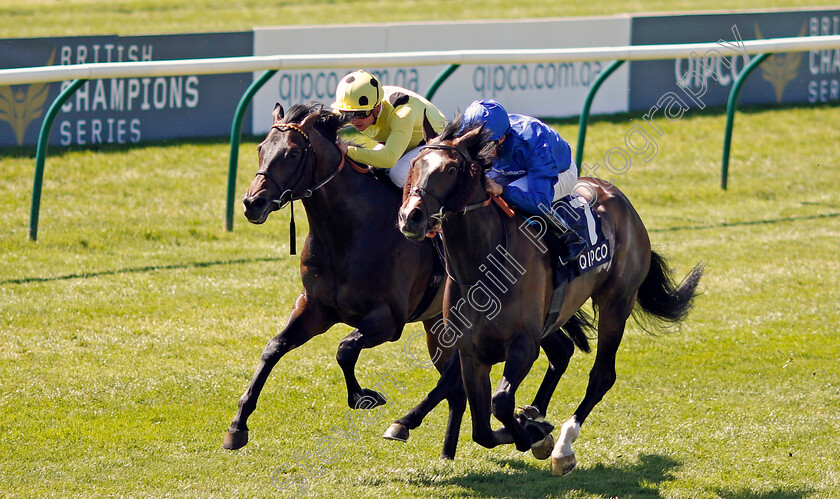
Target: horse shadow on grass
[{"x": 524, "y": 479}]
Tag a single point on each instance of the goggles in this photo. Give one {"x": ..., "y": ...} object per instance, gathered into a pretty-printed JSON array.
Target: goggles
[{"x": 357, "y": 115}]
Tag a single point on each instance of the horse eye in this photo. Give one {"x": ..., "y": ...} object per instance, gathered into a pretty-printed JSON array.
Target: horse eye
[
  {"x": 294, "y": 153},
  {"x": 451, "y": 170}
]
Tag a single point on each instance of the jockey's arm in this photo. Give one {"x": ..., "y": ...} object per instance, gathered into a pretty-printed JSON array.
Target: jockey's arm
[
  {"x": 395, "y": 146},
  {"x": 542, "y": 170},
  {"x": 540, "y": 191}
]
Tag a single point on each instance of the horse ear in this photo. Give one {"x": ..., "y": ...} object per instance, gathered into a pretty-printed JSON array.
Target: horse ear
[
  {"x": 429, "y": 132},
  {"x": 310, "y": 120},
  {"x": 278, "y": 112},
  {"x": 469, "y": 139}
]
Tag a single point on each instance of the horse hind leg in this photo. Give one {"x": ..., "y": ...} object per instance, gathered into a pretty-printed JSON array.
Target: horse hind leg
[
  {"x": 305, "y": 322},
  {"x": 376, "y": 328},
  {"x": 558, "y": 349},
  {"x": 601, "y": 379}
]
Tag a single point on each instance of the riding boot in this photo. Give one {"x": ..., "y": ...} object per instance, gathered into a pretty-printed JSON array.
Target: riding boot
[{"x": 572, "y": 245}]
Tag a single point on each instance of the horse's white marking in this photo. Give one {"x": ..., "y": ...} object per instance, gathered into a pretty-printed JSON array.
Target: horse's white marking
[
  {"x": 412, "y": 203},
  {"x": 568, "y": 433}
]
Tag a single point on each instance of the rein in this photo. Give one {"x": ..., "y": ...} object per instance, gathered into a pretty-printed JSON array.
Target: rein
[
  {"x": 437, "y": 245},
  {"x": 444, "y": 212},
  {"x": 285, "y": 127}
]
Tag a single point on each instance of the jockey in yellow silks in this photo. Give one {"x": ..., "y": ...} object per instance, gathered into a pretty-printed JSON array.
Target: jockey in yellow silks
[{"x": 392, "y": 116}]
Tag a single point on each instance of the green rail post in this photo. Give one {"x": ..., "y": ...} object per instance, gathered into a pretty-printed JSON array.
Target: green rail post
[
  {"x": 731, "y": 104},
  {"x": 235, "y": 136},
  {"x": 584, "y": 114},
  {"x": 440, "y": 79},
  {"x": 41, "y": 154}
]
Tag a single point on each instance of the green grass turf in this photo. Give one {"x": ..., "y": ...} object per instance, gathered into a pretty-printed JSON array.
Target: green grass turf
[{"x": 34, "y": 18}]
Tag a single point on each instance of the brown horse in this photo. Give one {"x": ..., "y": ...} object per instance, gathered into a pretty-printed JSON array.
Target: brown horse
[
  {"x": 356, "y": 267},
  {"x": 502, "y": 321}
]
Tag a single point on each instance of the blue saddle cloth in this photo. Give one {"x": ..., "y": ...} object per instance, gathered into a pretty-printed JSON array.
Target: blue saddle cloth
[{"x": 587, "y": 224}]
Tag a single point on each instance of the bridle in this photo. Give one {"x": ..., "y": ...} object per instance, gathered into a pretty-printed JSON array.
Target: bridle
[
  {"x": 285, "y": 127},
  {"x": 282, "y": 200},
  {"x": 444, "y": 211}
]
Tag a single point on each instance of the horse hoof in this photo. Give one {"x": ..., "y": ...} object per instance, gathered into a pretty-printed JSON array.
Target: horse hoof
[
  {"x": 235, "y": 440},
  {"x": 528, "y": 412},
  {"x": 542, "y": 449},
  {"x": 367, "y": 399},
  {"x": 540, "y": 425},
  {"x": 396, "y": 432},
  {"x": 563, "y": 465}
]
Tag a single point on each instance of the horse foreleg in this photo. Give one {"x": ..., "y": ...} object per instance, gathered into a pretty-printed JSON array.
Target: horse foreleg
[
  {"x": 476, "y": 378},
  {"x": 456, "y": 397},
  {"x": 522, "y": 353},
  {"x": 449, "y": 386},
  {"x": 376, "y": 328},
  {"x": 601, "y": 379},
  {"x": 305, "y": 322}
]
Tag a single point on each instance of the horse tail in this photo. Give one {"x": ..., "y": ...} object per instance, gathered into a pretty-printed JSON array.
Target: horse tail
[
  {"x": 661, "y": 304},
  {"x": 576, "y": 328}
]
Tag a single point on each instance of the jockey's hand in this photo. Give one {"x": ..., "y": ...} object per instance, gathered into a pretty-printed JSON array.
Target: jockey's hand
[
  {"x": 342, "y": 146},
  {"x": 492, "y": 187}
]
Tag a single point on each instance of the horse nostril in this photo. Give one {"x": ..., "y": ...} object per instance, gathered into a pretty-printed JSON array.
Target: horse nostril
[
  {"x": 255, "y": 202},
  {"x": 415, "y": 217}
]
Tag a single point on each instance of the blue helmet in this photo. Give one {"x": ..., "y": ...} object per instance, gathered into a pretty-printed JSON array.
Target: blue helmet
[{"x": 491, "y": 114}]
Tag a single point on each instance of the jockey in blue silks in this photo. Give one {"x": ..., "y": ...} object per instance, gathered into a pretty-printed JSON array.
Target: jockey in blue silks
[{"x": 533, "y": 167}]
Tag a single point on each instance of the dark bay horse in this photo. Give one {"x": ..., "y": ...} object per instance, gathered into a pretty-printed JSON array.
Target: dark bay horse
[
  {"x": 501, "y": 321},
  {"x": 356, "y": 267}
]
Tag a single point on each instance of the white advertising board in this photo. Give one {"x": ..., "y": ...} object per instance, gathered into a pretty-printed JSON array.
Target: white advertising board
[{"x": 549, "y": 89}]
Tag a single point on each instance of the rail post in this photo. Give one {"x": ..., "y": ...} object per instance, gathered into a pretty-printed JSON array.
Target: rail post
[
  {"x": 235, "y": 137},
  {"x": 442, "y": 77},
  {"x": 731, "y": 105},
  {"x": 41, "y": 154},
  {"x": 584, "y": 114}
]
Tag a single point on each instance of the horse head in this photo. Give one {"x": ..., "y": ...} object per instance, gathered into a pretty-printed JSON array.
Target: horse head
[
  {"x": 288, "y": 163},
  {"x": 443, "y": 178}
]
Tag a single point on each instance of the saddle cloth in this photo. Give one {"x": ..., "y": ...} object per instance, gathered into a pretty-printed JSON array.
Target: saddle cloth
[
  {"x": 575, "y": 210},
  {"x": 587, "y": 224}
]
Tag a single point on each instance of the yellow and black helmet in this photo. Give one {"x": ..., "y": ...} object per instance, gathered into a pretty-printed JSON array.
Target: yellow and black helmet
[{"x": 358, "y": 91}]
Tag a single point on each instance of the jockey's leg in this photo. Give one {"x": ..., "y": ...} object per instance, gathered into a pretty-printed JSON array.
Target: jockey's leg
[
  {"x": 566, "y": 223},
  {"x": 399, "y": 172}
]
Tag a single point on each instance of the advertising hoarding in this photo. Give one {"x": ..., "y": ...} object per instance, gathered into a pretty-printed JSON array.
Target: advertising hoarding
[
  {"x": 800, "y": 77},
  {"x": 125, "y": 110},
  {"x": 547, "y": 89}
]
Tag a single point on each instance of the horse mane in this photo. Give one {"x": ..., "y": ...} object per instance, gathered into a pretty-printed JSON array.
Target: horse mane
[
  {"x": 328, "y": 122},
  {"x": 472, "y": 174}
]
